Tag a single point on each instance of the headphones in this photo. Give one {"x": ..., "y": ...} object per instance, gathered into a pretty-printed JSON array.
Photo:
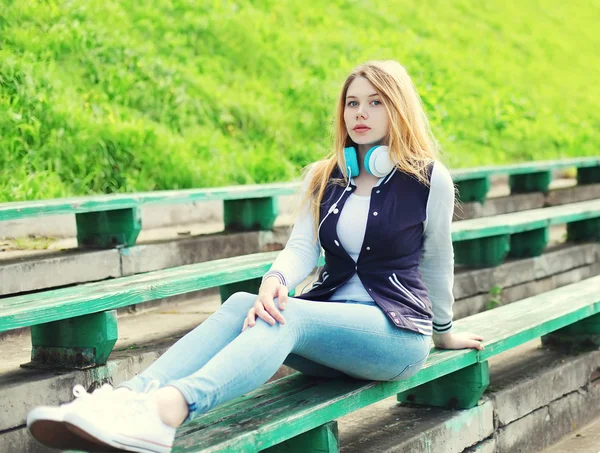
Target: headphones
[{"x": 378, "y": 161}]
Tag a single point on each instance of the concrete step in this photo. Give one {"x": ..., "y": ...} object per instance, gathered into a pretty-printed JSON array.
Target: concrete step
[{"x": 582, "y": 440}]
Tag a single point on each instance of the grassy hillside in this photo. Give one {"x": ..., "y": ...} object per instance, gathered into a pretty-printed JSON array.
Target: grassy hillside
[{"x": 116, "y": 95}]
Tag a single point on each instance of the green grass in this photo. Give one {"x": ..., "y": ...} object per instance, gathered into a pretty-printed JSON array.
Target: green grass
[{"x": 117, "y": 96}]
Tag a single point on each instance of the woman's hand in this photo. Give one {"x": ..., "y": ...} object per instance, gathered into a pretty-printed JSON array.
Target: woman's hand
[
  {"x": 463, "y": 340},
  {"x": 264, "y": 307}
]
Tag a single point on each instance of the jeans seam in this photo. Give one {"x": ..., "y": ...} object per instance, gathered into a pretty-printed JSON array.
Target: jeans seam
[{"x": 401, "y": 334}]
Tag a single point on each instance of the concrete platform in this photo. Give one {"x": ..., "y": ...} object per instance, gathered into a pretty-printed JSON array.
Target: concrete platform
[{"x": 583, "y": 440}]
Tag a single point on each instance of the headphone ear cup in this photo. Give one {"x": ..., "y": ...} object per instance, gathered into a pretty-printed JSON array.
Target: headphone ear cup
[
  {"x": 378, "y": 161},
  {"x": 351, "y": 161}
]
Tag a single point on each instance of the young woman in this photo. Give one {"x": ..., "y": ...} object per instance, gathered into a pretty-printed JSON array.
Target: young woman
[{"x": 381, "y": 207}]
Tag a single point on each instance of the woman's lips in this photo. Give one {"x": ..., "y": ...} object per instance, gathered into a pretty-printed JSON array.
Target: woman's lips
[{"x": 361, "y": 128}]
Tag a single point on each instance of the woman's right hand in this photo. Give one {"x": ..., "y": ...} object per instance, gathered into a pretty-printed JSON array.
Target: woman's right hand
[{"x": 264, "y": 307}]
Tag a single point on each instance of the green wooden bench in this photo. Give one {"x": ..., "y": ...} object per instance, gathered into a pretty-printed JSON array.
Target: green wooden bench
[
  {"x": 474, "y": 183},
  {"x": 77, "y": 326},
  {"x": 107, "y": 221},
  {"x": 297, "y": 413},
  {"x": 488, "y": 241}
]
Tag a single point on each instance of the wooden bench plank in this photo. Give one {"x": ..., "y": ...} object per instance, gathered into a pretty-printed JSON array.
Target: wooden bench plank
[
  {"x": 66, "y": 303},
  {"x": 519, "y": 169},
  {"x": 96, "y": 203},
  {"x": 517, "y": 222},
  {"x": 258, "y": 423}
]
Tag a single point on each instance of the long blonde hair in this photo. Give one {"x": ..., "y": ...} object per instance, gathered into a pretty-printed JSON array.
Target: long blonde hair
[{"x": 410, "y": 140}]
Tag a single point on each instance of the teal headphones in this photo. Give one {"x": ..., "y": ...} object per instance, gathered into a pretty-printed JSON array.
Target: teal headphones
[{"x": 377, "y": 161}]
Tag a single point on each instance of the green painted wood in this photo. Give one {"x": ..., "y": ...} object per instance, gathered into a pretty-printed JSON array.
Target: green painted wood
[
  {"x": 473, "y": 189},
  {"x": 108, "y": 229},
  {"x": 482, "y": 252},
  {"x": 75, "y": 343},
  {"x": 249, "y": 286},
  {"x": 64, "y": 303},
  {"x": 264, "y": 418},
  {"x": 459, "y": 390},
  {"x": 323, "y": 439},
  {"x": 530, "y": 182},
  {"x": 518, "y": 222},
  {"x": 588, "y": 175},
  {"x": 529, "y": 243},
  {"x": 97, "y": 203},
  {"x": 529, "y": 167},
  {"x": 580, "y": 336},
  {"x": 250, "y": 214},
  {"x": 584, "y": 230}
]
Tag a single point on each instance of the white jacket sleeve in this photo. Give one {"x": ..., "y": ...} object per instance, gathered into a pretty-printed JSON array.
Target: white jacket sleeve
[
  {"x": 301, "y": 253},
  {"x": 437, "y": 261}
]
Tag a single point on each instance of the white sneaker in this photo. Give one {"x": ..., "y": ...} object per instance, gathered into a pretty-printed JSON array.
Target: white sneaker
[
  {"x": 46, "y": 423},
  {"x": 132, "y": 425}
]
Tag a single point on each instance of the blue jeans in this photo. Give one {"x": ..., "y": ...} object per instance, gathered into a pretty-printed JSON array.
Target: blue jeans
[{"x": 217, "y": 362}]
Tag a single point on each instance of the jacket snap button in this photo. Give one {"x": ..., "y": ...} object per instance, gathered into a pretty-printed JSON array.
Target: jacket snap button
[
  {"x": 349, "y": 189},
  {"x": 393, "y": 314},
  {"x": 378, "y": 191},
  {"x": 375, "y": 213},
  {"x": 336, "y": 242},
  {"x": 336, "y": 210},
  {"x": 368, "y": 248}
]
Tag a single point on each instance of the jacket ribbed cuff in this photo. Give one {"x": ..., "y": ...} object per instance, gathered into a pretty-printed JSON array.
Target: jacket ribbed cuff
[
  {"x": 277, "y": 274},
  {"x": 442, "y": 328}
]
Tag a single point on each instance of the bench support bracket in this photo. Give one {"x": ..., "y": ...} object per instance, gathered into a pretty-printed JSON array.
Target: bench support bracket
[
  {"x": 528, "y": 243},
  {"x": 108, "y": 229},
  {"x": 584, "y": 230},
  {"x": 323, "y": 439},
  {"x": 249, "y": 286},
  {"x": 459, "y": 390},
  {"x": 482, "y": 252},
  {"x": 530, "y": 182},
  {"x": 588, "y": 175},
  {"x": 250, "y": 214},
  {"x": 473, "y": 189},
  {"x": 75, "y": 343},
  {"x": 580, "y": 336}
]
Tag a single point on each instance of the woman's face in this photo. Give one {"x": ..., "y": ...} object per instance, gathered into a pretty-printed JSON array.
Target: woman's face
[{"x": 364, "y": 114}]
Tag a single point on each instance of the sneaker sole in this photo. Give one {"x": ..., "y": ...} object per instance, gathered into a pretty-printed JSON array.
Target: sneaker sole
[
  {"x": 83, "y": 428},
  {"x": 47, "y": 427},
  {"x": 55, "y": 434}
]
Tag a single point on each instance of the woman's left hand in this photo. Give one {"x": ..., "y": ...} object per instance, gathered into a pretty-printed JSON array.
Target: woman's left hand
[{"x": 464, "y": 340}]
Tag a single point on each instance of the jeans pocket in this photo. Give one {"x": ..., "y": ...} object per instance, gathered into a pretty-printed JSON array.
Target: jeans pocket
[{"x": 410, "y": 370}]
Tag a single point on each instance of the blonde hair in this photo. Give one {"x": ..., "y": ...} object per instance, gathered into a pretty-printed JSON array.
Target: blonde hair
[{"x": 410, "y": 140}]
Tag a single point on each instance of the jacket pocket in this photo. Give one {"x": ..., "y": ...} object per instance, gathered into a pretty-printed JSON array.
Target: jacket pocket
[{"x": 403, "y": 290}]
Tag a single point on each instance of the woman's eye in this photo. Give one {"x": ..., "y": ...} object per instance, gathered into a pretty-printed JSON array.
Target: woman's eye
[
  {"x": 376, "y": 102},
  {"x": 352, "y": 103}
]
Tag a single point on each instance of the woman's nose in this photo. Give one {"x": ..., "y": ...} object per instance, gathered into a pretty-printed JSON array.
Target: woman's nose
[{"x": 361, "y": 114}]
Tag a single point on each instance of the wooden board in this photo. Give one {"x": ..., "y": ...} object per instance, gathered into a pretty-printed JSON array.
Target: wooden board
[
  {"x": 47, "y": 306},
  {"x": 95, "y": 203},
  {"x": 12, "y": 211},
  {"x": 517, "y": 222},
  {"x": 295, "y": 404},
  {"x": 520, "y": 169}
]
